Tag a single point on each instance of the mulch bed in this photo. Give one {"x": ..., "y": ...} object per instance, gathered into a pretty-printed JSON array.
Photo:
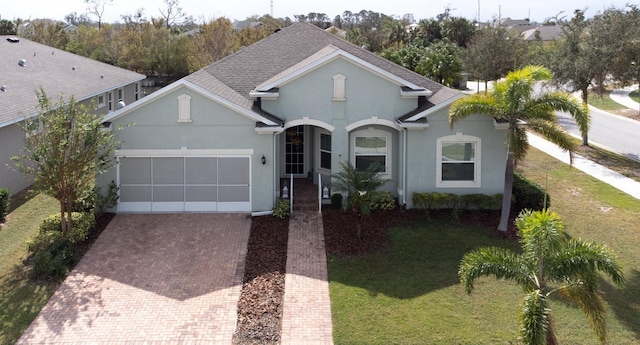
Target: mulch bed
[
  {"x": 340, "y": 227},
  {"x": 262, "y": 296}
]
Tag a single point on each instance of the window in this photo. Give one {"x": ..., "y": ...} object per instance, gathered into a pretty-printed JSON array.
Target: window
[
  {"x": 120, "y": 95},
  {"x": 458, "y": 161},
  {"x": 369, "y": 147},
  {"x": 100, "y": 101},
  {"x": 136, "y": 91},
  {"x": 110, "y": 101},
  {"x": 325, "y": 151}
]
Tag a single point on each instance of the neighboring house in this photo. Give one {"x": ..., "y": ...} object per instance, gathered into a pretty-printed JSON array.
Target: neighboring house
[
  {"x": 336, "y": 31},
  {"x": 543, "y": 33},
  {"x": 25, "y": 66},
  {"x": 297, "y": 103},
  {"x": 244, "y": 24}
]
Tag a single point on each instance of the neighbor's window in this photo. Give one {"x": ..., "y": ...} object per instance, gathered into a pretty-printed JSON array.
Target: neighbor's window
[
  {"x": 136, "y": 91},
  {"x": 120, "y": 95},
  {"x": 458, "y": 161},
  {"x": 100, "y": 101},
  {"x": 110, "y": 100}
]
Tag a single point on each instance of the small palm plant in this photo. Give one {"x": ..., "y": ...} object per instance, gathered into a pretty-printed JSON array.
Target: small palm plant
[
  {"x": 356, "y": 184},
  {"x": 548, "y": 257}
]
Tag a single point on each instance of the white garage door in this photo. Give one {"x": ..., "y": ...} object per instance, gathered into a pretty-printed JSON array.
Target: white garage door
[{"x": 184, "y": 184}]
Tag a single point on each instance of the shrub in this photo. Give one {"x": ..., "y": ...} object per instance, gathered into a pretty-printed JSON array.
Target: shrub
[
  {"x": 5, "y": 202},
  {"x": 281, "y": 210},
  {"x": 379, "y": 200},
  {"x": 82, "y": 223},
  {"x": 528, "y": 195},
  {"x": 434, "y": 201},
  {"x": 53, "y": 255},
  {"x": 336, "y": 201}
]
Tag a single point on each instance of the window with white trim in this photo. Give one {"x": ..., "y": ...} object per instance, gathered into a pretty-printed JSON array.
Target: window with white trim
[
  {"x": 110, "y": 100},
  {"x": 371, "y": 146},
  {"x": 458, "y": 161},
  {"x": 100, "y": 101},
  {"x": 324, "y": 146},
  {"x": 120, "y": 95}
]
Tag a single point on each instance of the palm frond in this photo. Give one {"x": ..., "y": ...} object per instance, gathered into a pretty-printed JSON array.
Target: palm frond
[
  {"x": 583, "y": 260},
  {"x": 518, "y": 142},
  {"x": 491, "y": 261},
  {"x": 562, "y": 101},
  {"x": 592, "y": 305},
  {"x": 474, "y": 104},
  {"x": 541, "y": 233},
  {"x": 533, "y": 319},
  {"x": 554, "y": 133}
]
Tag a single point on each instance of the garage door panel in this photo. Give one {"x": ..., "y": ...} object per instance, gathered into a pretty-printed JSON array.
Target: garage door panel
[
  {"x": 201, "y": 193},
  {"x": 178, "y": 184},
  {"x": 168, "y": 193},
  {"x": 233, "y": 170},
  {"x": 201, "y": 170},
  {"x": 233, "y": 193},
  {"x": 135, "y": 170},
  {"x": 135, "y": 193},
  {"x": 168, "y": 170}
]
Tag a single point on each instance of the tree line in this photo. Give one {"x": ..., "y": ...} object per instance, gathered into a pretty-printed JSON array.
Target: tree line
[{"x": 591, "y": 51}]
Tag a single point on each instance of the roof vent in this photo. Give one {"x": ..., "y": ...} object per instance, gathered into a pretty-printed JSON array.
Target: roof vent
[
  {"x": 101, "y": 76},
  {"x": 3, "y": 88},
  {"x": 13, "y": 39},
  {"x": 34, "y": 53},
  {"x": 22, "y": 62},
  {"x": 121, "y": 105},
  {"x": 73, "y": 68}
]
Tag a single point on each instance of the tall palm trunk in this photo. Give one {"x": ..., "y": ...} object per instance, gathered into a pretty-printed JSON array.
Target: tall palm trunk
[
  {"x": 585, "y": 99},
  {"x": 506, "y": 193}
]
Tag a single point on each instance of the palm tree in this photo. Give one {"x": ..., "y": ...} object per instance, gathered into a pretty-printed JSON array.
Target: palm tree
[
  {"x": 548, "y": 256},
  {"x": 515, "y": 101},
  {"x": 356, "y": 184}
]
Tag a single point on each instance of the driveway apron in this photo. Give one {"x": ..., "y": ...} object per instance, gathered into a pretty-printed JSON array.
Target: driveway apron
[{"x": 156, "y": 279}]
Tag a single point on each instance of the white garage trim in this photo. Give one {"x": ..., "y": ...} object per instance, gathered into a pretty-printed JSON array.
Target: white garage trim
[
  {"x": 183, "y": 152},
  {"x": 168, "y": 182}
]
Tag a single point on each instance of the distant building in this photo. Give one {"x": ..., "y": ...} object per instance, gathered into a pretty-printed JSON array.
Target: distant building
[
  {"x": 543, "y": 33},
  {"x": 243, "y": 24},
  {"x": 25, "y": 66}
]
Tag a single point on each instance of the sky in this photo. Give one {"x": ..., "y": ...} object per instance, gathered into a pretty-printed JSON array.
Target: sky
[{"x": 205, "y": 10}]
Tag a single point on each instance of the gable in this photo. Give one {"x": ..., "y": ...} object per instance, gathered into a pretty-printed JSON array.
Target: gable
[{"x": 339, "y": 88}]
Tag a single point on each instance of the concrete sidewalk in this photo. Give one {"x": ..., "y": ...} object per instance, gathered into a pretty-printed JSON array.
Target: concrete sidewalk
[
  {"x": 622, "y": 97},
  {"x": 603, "y": 174}
]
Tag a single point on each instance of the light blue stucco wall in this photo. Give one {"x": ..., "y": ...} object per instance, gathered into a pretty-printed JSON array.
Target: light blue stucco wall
[
  {"x": 367, "y": 95},
  {"x": 214, "y": 126},
  {"x": 11, "y": 143},
  {"x": 422, "y": 161}
]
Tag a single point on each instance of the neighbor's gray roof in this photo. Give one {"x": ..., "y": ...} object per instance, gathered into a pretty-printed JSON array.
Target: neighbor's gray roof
[
  {"x": 52, "y": 69},
  {"x": 244, "y": 70},
  {"x": 545, "y": 32}
]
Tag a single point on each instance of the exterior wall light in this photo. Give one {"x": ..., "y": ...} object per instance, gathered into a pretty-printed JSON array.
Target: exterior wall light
[{"x": 264, "y": 160}]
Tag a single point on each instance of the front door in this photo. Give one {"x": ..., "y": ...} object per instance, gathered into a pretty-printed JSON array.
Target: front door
[{"x": 294, "y": 151}]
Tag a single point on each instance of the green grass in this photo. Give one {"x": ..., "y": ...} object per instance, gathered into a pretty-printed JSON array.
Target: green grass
[
  {"x": 411, "y": 294},
  {"x": 635, "y": 95},
  {"x": 604, "y": 102},
  {"x": 20, "y": 298}
]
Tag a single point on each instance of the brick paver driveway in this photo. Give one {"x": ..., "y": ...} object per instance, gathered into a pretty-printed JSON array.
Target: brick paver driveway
[{"x": 157, "y": 279}]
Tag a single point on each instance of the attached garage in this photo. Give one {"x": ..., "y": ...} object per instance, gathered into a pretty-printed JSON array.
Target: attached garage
[{"x": 184, "y": 183}]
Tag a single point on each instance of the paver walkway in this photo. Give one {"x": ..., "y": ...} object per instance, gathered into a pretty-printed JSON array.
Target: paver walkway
[
  {"x": 307, "y": 308},
  {"x": 151, "y": 279}
]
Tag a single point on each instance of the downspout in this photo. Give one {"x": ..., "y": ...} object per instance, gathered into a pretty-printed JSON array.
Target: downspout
[
  {"x": 404, "y": 168},
  {"x": 275, "y": 178}
]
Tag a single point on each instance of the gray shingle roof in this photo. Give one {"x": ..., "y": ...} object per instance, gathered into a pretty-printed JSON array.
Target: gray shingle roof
[
  {"x": 52, "y": 69},
  {"x": 254, "y": 65}
]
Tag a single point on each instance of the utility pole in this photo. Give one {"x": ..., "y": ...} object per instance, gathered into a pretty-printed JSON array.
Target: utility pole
[{"x": 271, "y": 12}]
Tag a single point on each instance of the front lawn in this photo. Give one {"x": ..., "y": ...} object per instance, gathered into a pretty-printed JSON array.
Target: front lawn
[
  {"x": 20, "y": 298},
  {"x": 410, "y": 294}
]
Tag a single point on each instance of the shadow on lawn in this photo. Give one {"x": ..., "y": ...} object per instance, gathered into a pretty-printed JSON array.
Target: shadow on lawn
[
  {"x": 20, "y": 301},
  {"x": 422, "y": 258},
  {"x": 625, "y": 301}
]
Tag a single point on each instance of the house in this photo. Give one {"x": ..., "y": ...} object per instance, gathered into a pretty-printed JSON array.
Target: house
[
  {"x": 543, "y": 33},
  {"x": 297, "y": 104},
  {"x": 25, "y": 66}
]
